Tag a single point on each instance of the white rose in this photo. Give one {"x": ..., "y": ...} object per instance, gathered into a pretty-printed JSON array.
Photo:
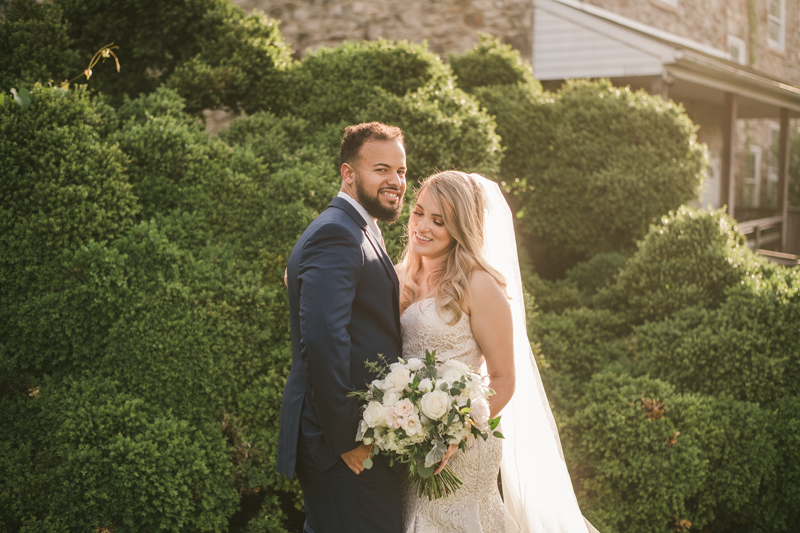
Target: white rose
[
  {"x": 374, "y": 414},
  {"x": 411, "y": 424},
  {"x": 380, "y": 384},
  {"x": 403, "y": 408},
  {"x": 398, "y": 378},
  {"x": 391, "y": 398},
  {"x": 426, "y": 385},
  {"x": 415, "y": 364},
  {"x": 480, "y": 413},
  {"x": 435, "y": 404}
]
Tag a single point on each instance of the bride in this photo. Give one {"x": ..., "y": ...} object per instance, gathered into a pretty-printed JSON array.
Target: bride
[{"x": 461, "y": 295}]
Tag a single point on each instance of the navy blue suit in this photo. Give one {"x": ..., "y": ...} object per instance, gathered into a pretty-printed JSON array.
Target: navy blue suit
[{"x": 343, "y": 306}]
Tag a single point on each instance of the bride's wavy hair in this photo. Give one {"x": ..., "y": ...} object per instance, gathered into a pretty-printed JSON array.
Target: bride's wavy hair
[{"x": 461, "y": 201}]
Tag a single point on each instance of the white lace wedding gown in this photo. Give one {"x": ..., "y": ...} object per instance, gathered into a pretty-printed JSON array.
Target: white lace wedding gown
[{"x": 476, "y": 507}]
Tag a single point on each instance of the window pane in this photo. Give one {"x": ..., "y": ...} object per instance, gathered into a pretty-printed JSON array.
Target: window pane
[
  {"x": 774, "y": 31},
  {"x": 775, "y": 8}
]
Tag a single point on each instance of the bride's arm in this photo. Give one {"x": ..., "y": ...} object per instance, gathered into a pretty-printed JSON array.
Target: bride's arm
[{"x": 490, "y": 316}]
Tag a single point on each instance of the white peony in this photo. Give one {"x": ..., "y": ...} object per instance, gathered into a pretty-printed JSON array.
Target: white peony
[
  {"x": 374, "y": 414},
  {"x": 398, "y": 379},
  {"x": 474, "y": 388},
  {"x": 391, "y": 398},
  {"x": 426, "y": 385},
  {"x": 411, "y": 424},
  {"x": 403, "y": 408},
  {"x": 457, "y": 367},
  {"x": 480, "y": 413},
  {"x": 450, "y": 375},
  {"x": 415, "y": 364},
  {"x": 435, "y": 404}
]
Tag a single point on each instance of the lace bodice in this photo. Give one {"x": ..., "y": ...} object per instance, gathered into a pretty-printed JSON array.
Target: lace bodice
[{"x": 424, "y": 328}]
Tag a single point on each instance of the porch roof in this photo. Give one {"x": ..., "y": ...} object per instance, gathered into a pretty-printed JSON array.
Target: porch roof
[{"x": 573, "y": 39}]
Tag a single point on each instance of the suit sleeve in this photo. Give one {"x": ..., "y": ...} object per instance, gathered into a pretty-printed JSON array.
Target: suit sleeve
[{"x": 328, "y": 273}]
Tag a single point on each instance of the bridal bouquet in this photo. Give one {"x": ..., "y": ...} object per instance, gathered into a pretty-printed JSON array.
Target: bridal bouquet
[{"x": 415, "y": 410}]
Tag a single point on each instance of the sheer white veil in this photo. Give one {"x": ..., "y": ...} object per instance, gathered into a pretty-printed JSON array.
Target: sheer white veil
[{"x": 537, "y": 489}]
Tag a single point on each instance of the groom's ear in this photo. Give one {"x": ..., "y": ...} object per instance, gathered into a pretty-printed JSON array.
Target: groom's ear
[{"x": 348, "y": 173}]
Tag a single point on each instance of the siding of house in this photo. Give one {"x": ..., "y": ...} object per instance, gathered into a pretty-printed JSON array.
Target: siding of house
[{"x": 565, "y": 50}]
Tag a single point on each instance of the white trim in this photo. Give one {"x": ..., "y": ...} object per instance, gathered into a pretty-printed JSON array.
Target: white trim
[
  {"x": 736, "y": 44},
  {"x": 780, "y": 20},
  {"x": 673, "y": 3}
]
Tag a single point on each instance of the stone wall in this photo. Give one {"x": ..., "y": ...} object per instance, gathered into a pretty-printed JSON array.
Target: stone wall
[{"x": 449, "y": 26}]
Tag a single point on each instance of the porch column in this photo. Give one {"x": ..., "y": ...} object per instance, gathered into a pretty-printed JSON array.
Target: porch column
[
  {"x": 727, "y": 183},
  {"x": 783, "y": 177}
]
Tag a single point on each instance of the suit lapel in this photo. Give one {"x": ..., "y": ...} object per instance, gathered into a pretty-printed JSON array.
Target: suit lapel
[{"x": 345, "y": 206}]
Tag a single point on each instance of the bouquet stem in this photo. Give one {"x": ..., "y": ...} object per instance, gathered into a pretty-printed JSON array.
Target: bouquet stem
[{"x": 436, "y": 486}]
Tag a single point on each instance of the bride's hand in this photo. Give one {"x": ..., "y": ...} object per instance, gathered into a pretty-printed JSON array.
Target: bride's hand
[{"x": 450, "y": 451}]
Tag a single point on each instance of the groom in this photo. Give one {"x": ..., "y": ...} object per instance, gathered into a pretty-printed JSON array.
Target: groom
[{"x": 343, "y": 307}]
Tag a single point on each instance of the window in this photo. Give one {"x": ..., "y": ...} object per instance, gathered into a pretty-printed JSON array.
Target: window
[
  {"x": 737, "y": 49},
  {"x": 752, "y": 177},
  {"x": 772, "y": 165},
  {"x": 777, "y": 24}
]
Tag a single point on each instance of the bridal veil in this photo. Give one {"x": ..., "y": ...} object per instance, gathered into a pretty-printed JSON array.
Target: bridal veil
[{"x": 537, "y": 489}]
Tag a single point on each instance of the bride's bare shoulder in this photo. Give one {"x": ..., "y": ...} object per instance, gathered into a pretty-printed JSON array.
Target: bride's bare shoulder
[{"x": 484, "y": 289}]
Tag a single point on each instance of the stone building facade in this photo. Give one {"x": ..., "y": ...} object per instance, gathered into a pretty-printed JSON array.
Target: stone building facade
[{"x": 448, "y": 26}]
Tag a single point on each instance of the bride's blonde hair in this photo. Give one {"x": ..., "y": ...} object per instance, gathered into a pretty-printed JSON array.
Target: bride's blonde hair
[{"x": 461, "y": 202}]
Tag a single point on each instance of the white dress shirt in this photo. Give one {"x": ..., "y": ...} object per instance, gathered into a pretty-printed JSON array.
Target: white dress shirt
[{"x": 371, "y": 223}]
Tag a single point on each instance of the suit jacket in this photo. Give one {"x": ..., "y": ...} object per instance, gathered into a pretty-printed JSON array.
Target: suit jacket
[{"x": 344, "y": 311}]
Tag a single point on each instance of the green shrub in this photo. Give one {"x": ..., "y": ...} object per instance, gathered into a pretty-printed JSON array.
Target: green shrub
[
  {"x": 646, "y": 458},
  {"x": 34, "y": 45},
  {"x": 690, "y": 258},
  {"x": 154, "y": 38},
  {"x": 63, "y": 186},
  {"x": 611, "y": 158},
  {"x": 240, "y": 66},
  {"x": 96, "y": 458},
  {"x": 748, "y": 348},
  {"x": 614, "y": 160},
  {"x": 490, "y": 62},
  {"x": 575, "y": 345},
  {"x": 331, "y": 85}
]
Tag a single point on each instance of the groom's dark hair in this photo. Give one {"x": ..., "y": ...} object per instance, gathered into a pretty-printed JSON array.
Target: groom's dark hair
[{"x": 356, "y": 136}]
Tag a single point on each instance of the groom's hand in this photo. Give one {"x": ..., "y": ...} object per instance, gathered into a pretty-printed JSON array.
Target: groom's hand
[{"x": 354, "y": 459}]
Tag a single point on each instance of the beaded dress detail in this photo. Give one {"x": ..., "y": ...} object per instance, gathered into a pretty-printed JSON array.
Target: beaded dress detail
[{"x": 476, "y": 507}]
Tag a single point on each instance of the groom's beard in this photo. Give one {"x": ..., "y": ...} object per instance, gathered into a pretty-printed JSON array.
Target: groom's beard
[{"x": 374, "y": 206}]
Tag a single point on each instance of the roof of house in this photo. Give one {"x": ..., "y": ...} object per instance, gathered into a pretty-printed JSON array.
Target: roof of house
[{"x": 573, "y": 39}]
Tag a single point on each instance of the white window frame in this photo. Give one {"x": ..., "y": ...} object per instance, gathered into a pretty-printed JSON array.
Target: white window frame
[
  {"x": 779, "y": 44},
  {"x": 753, "y": 182},
  {"x": 773, "y": 170},
  {"x": 738, "y": 42}
]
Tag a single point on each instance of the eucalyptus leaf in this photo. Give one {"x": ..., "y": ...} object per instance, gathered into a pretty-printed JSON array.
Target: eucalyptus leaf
[
  {"x": 425, "y": 471},
  {"x": 367, "y": 463},
  {"x": 437, "y": 452}
]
